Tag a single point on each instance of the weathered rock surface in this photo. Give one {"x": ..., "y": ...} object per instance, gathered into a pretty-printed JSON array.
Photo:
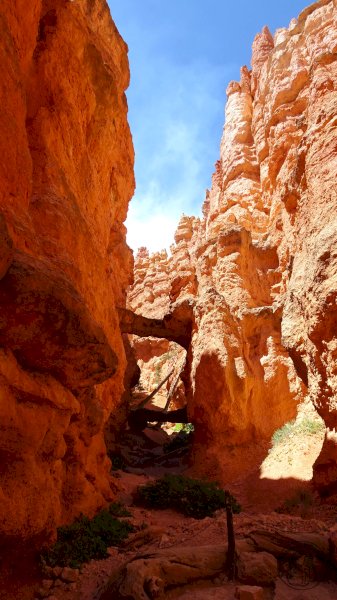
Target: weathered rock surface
[
  {"x": 149, "y": 294},
  {"x": 257, "y": 568},
  {"x": 66, "y": 178},
  {"x": 260, "y": 268},
  {"x": 149, "y": 575},
  {"x": 149, "y": 300},
  {"x": 175, "y": 327},
  {"x": 249, "y": 592},
  {"x": 333, "y": 546}
]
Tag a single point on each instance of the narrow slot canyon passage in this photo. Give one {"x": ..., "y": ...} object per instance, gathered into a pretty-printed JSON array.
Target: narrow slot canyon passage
[
  {"x": 168, "y": 418},
  {"x": 159, "y": 438},
  {"x": 158, "y": 435}
]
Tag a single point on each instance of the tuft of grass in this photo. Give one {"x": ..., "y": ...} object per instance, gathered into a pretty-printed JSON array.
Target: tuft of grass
[
  {"x": 310, "y": 426},
  {"x": 305, "y": 427},
  {"x": 280, "y": 435},
  {"x": 86, "y": 539},
  {"x": 192, "y": 497}
]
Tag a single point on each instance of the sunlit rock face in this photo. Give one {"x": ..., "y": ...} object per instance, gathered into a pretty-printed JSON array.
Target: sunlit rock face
[
  {"x": 297, "y": 114},
  {"x": 66, "y": 176},
  {"x": 149, "y": 294},
  {"x": 260, "y": 268}
]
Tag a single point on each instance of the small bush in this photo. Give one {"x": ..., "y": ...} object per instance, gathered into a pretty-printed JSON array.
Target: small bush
[
  {"x": 86, "y": 539},
  {"x": 193, "y": 497}
]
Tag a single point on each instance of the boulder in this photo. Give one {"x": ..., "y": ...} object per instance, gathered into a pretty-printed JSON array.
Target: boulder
[
  {"x": 258, "y": 568},
  {"x": 249, "y": 592}
]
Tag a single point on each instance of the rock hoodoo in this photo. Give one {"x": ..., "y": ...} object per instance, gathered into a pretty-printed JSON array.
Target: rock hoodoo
[
  {"x": 259, "y": 269},
  {"x": 66, "y": 176}
]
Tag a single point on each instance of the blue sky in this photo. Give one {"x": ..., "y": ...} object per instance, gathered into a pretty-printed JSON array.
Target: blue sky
[{"x": 182, "y": 55}]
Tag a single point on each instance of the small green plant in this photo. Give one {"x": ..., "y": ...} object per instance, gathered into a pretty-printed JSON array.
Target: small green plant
[
  {"x": 86, "y": 539},
  {"x": 178, "y": 427},
  {"x": 188, "y": 428},
  {"x": 305, "y": 426},
  {"x": 311, "y": 426},
  {"x": 193, "y": 497},
  {"x": 280, "y": 435}
]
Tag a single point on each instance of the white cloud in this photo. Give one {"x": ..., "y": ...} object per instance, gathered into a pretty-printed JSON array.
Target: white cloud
[
  {"x": 153, "y": 217},
  {"x": 176, "y": 130},
  {"x": 175, "y": 187},
  {"x": 156, "y": 232}
]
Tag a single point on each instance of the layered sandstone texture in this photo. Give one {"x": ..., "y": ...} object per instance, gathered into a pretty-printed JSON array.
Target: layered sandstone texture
[
  {"x": 259, "y": 270},
  {"x": 66, "y": 176},
  {"x": 161, "y": 358}
]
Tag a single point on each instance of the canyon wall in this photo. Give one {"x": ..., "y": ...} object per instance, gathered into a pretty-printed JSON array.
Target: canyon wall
[
  {"x": 259, "y": 270},
  {"x": 66, "y": 176}
]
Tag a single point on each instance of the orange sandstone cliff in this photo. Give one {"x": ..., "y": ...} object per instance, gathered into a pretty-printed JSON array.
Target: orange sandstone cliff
[
  {"x": 66, "y": 176},
  {"x": 249, "y": 290},
  {"x": 259, "y": 270}
]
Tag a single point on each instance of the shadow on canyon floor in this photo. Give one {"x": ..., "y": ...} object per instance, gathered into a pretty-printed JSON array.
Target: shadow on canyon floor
[
  {"x": 264, "y": 477},
  {"x": 272, "y": 483}
]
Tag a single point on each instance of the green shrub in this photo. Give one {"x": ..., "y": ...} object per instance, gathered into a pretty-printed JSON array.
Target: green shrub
[
  {"x": 193, "y": 497},
  {"x": 86, "y": 539}
]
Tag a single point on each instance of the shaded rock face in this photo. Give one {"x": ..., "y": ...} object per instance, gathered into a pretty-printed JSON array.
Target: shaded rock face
[
  {"x": 66, "y": 176},
  {"x": 260, "y": 267},
  {"x": 175, "y": 326}
]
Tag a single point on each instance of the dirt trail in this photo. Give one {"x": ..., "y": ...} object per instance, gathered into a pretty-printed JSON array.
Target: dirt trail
[
  {"x": 281, "y": 479},
  {"x": 167, "y": 528}
]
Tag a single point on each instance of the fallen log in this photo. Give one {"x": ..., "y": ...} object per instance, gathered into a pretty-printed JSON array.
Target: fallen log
[
  {"x": 282, "y": 544},
  {"x": 147, "y": 576}
]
